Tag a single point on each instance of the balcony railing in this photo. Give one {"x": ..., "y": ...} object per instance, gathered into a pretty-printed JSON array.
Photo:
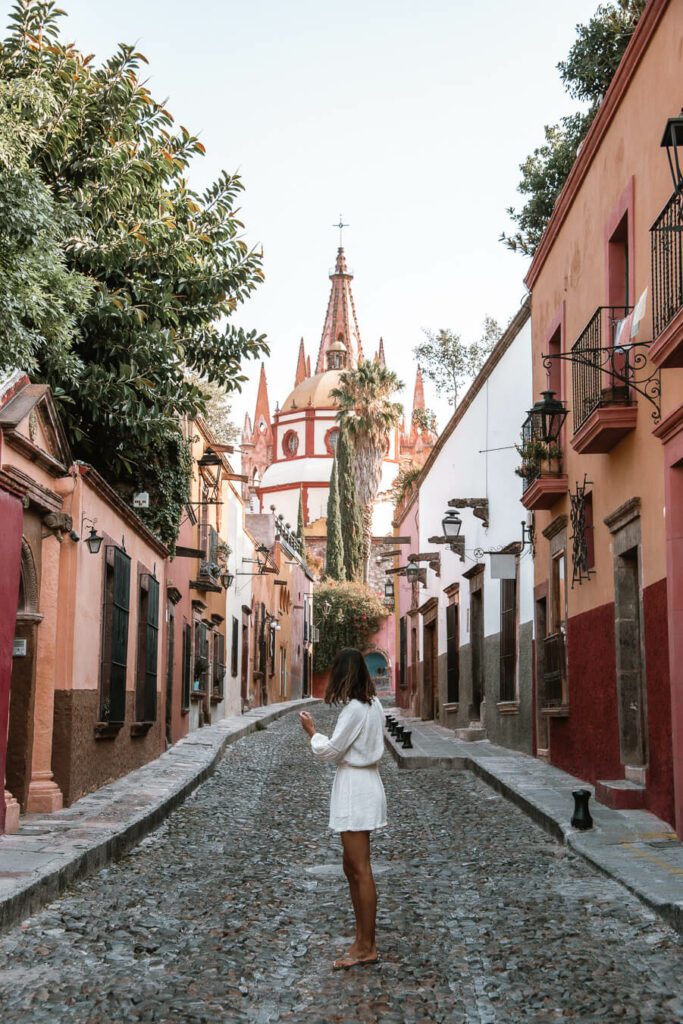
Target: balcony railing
[
  {"x": 601, "y": 373},
  {"x": 554, "y": 671},
  {"x": 666, "y": 238}
]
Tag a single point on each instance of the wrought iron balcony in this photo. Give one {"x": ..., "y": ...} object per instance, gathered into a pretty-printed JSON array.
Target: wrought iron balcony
[
  {"x": 666, "y": 236},
  {"x": 554, "y": 671},
  {"x": 666, "y": 242},
  {"x": 601, "y": 373}
]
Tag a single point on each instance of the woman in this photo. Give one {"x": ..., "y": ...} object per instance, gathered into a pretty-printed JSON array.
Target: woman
[{"x": 358, "y": 804}]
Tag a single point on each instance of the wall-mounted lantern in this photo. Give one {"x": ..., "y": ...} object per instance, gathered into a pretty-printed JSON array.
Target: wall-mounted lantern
[
  {"x": 389, "y": 589},
  {"x": 412, "y": 572},
  {"x": 545, "y": 419},
  {"x": 451, "y": 524},
  {"x": 227, "y": 580},
  {"x": 94, "y": 539},
  {"x": 672, "y": 141}
]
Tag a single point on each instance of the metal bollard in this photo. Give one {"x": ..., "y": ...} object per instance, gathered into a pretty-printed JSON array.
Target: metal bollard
[
  {"x": 407, "y": 744},
  {"x": 388, "y": 720},
  {"x": 393, "y": 727},
  {"x": 581, "y": 818},
  {"x": 400, "y": 733}
]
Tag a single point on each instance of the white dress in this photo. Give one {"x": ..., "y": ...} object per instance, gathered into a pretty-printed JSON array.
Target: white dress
[{"x": 358, "y": 802}]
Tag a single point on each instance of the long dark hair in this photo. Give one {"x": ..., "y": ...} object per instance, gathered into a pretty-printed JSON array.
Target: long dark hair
[{"x": 349, "y": 679}]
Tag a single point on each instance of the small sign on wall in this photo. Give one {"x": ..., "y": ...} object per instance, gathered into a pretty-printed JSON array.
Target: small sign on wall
[
  {"x": 141, "y": 500},
  {"x": 20, "y": 648}
]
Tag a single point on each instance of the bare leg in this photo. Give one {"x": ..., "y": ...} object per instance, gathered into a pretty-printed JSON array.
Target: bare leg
[{"x": 358, "y": 870}]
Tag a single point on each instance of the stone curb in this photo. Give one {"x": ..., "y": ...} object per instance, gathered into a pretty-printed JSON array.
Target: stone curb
[
  {"x": 106, "y": 823},
  {"x": 615, "y": 846}
]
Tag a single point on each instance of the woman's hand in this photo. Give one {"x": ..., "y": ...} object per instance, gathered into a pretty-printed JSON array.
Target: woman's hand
[{"x": 307, "y": 723}]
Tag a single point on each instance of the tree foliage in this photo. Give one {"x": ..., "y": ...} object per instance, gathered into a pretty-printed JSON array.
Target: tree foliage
[
  {"x": 449, "y": 362},
  {"x": 404, "y": 482},
  {"x": 347, "y": 614},
  {"x": 586, "y": 74},
  {"x": 368, "y": 414},
  {"x": 334, "y": 561},
  {"x": 350, "y": 512},
  {"x": 168, "y": 265},
  {"x": 41, "y": 299}
]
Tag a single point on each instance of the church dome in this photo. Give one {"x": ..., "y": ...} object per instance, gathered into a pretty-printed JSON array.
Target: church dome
[{"x": 313, "y": 392}]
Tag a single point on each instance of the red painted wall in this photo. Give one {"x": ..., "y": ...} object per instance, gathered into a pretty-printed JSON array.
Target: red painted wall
[
  {"x": 586, "y": 743},
  {"x": 11, "y": 517},
  {"x": 660, "y": 794}
]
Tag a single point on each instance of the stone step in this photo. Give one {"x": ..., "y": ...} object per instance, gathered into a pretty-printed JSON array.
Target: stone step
[
  {"x": 620, "y": 794},
  {"x": 472, "y": 734}
]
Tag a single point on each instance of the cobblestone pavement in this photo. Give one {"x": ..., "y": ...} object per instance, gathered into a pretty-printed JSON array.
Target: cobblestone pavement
[{"x": 234, "y": 908}]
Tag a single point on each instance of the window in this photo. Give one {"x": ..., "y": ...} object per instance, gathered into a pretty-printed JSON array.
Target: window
[
  {"x": 115, "y": 616},
  {"x": 403, "y": 651},
  {"x": 555, "y": 368},
  {"x": 453, "y": 653},
  {"x": 508, "y": 639},
  {"x": 187, "y": 665},
  {"x": 218, "y": 664},
  {"x": 201, "y": 657},
  {"x": 290, "y": 444},
  {"x": 148, "y": 643},
  {"x": 234, "y": 653},
  {"x": 331, "y": 438},
  {"x": 559, "y": 592},
  {"x": 619, "y": 265}
]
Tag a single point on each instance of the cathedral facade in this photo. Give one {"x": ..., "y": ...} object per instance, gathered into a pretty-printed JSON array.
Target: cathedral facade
[{"x": 287, "y": 455}]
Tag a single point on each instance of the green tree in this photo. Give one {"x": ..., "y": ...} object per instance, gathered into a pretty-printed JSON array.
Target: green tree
[
  {"x": 300, "y": 531},
  {"x": 169, "y": 265},
  {"x": 347, "y": 614},
  {"x": 369, "y": 414},
  {"x": 41, "y": 299},
  {"x": 350, "y": 512},
  {"x": 334, "y": 559},
  {"x": 449, "y": 362},
  {"x": 586, "y": 73}
]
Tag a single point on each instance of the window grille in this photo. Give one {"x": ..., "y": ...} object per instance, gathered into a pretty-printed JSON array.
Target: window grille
[
  {"x": 508, "y": 639},
  {"x": 453, "y": 653},
  {"x": 115, "y": 618}
]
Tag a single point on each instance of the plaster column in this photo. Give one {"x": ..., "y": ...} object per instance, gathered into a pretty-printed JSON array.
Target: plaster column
[{"x": 44, "y": 795}]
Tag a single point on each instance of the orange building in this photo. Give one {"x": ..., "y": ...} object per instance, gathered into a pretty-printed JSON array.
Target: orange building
[{"x": 607, "y": 336}]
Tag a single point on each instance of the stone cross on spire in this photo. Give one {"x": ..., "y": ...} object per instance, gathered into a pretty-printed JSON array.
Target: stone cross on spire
[{"x": 341, "y": 225}]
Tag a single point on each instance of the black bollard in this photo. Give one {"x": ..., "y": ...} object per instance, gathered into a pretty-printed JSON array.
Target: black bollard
[
  {"x": 400, "y": 732},
  {"x": 407, "y": 744},
  {"x": 388, "y": 720},
  {"x": 393, "y": 727},
  {"x": 582, "y": 817}
]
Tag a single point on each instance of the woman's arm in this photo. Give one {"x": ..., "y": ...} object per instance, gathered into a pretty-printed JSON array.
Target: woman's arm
[{"x": 347, "y": 730}]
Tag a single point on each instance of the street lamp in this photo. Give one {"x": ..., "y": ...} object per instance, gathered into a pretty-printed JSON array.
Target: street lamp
[
  {"x": 412, "y": 572},
  {"x": 672, "y": 141},
  {"x": 227, "y": 580},
  {"x": 545, "y": 419},
  {"x": 451, "y": 524},
  {"x": 94, "y": 539}
]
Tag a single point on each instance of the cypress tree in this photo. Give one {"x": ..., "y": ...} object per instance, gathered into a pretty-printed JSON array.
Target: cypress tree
[
  {"x": 350, "y": 512},
  {"x": 335, "y": 544},
  {"x": 301, "y": 536}
]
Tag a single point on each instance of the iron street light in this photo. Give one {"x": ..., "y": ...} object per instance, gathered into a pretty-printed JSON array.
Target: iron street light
[
  {"x": 451, "y": 524},
  {"x": 227, "y": 580},
  {"x": 389, "y": 589},
  {"x": 672, "y": 141},
  {"x": 546, "y": 418}
]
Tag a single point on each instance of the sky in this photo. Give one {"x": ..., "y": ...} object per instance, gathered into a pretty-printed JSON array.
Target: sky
[{"x": 408, "y": 117}]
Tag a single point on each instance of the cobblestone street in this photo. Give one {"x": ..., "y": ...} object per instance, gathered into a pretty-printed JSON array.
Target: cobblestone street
[{"x": 235, "y": 907}]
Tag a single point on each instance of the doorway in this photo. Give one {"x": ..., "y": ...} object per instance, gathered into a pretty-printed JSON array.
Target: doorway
[
  {"x": 170, "y": 669},
  {"x": 23, "y": 680},
  {"x": 430, "y": 703},
  {"x": 631, "y": 696},
  {"x": 477, "y": 646}
]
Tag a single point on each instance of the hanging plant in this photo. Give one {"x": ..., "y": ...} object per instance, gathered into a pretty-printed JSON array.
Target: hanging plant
[{"x": 347, "y": 615}]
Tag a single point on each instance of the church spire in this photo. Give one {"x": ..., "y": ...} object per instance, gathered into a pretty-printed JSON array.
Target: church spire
[
  {"x": 262, "y": 411},
  {"x": 419, "y": 392},
  {"x": 340, "y": 320},
  {"x": 301, "y": 373},
  {"x": 380, "y": 354}
]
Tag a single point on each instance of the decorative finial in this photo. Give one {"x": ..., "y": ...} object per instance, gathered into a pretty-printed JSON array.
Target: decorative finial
[{"x": 341, "y": 225}]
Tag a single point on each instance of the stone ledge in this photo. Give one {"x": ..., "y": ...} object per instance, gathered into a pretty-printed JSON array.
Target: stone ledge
[{"x": 114, "y": 817}]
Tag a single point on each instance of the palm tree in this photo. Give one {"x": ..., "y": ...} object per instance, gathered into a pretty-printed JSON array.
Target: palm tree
[{"x": 368, "y": 414}]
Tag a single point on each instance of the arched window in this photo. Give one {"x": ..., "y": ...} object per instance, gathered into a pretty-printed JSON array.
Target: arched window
[
  {"x": 331, "y": 438},
  {"x": 290, "y": 444}
]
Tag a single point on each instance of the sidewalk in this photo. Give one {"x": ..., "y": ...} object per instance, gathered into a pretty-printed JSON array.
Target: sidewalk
[
  {"x": 634, "y": 847},
  {"x": 51, "y": 851}
]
